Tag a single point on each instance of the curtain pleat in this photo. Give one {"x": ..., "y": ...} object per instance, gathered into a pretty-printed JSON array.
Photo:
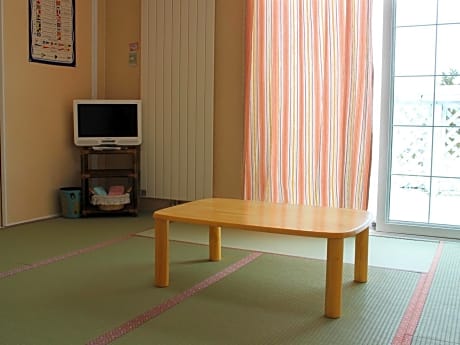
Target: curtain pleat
[{"x": 308, "y": 105}]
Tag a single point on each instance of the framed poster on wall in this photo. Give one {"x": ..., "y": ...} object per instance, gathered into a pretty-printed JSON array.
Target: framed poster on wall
[{"x": 52, "y": 32}]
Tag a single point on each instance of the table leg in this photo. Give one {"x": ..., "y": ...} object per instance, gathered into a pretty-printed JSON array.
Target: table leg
[
  {"x": 215, "y": 253},
  {"x": 361, "y": 256},
  {"x": 334, "y": 270},
  {"x": 161, "y": 253}
]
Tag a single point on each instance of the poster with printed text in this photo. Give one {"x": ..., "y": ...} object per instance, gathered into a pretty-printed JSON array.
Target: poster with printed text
[{"x": 52, "y": 32}]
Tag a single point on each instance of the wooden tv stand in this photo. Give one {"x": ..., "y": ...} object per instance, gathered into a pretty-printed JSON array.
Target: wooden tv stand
[{"x": 109, "y": 166}]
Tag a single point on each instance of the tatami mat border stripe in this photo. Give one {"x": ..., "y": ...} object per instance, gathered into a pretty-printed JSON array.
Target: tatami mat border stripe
[
  {"x": 54, "y": 259},
  {"x": 138, "y": 321},
  {"x": 414, "y": 310}
]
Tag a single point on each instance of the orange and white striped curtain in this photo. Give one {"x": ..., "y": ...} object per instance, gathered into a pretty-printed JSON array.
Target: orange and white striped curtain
[{"x": 308, "y": 113}]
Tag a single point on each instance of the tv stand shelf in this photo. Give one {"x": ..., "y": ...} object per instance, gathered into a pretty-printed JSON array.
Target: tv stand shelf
[{"x": 108, "y": 167}]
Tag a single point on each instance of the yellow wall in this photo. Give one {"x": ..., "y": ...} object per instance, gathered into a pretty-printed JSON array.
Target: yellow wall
[
  {"x": 229, "y": 98},
  {"x": 39, "y": 155},
  {"x": 122, "y": 27},
  {"x": 101, "y": 49}
]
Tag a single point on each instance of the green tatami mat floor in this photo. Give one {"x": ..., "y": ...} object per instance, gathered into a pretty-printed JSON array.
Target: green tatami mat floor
[
  {"x": 106, "y": 294},
  {"x": 280, "y": 300},
  {"x": 440, "y": 321},
  {"x": 26, "y": 243},
  {"x": 75, "y": 300},
  {"x": 383, "y": 251}
]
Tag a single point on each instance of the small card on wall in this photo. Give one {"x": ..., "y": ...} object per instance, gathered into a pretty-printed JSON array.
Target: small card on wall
[{"x": 132, "y": 57}]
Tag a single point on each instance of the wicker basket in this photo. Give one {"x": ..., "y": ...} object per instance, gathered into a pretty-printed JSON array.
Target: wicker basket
[
  {"x": 111, "y": 207},
  {"x": 110, "y": 202}
]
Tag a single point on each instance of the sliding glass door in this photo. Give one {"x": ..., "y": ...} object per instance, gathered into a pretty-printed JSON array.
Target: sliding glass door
[{"x": 420, "y": 144}]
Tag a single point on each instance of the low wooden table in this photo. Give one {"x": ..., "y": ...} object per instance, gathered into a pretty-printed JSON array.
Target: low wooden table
[{"x": 334, "y": 224}]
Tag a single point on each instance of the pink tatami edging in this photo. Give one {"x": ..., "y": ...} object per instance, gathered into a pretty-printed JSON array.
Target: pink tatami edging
[
  {"x": 54, "y": 259},
  {"x": 414, "y": 310},
  {"x": 138, "y": 321}
]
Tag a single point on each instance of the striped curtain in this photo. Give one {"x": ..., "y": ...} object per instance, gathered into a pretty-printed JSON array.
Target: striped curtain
[{"x": 308, "y": 109}]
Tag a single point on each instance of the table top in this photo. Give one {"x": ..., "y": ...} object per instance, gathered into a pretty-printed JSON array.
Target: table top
[{"x": 252, "y": 215}]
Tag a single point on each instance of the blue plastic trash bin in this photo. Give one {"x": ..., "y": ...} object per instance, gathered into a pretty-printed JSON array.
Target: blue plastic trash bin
[{"x": 70, "y": 201}]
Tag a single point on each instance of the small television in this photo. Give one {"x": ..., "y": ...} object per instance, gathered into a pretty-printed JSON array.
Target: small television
[{"x": 107, "y": 122}]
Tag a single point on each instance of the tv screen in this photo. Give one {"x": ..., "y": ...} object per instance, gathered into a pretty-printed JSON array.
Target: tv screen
[{"x": 107, "y": 122}]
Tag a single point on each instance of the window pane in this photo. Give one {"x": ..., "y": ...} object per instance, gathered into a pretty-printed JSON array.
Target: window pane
[
  {"x": 448, "y": 53},
  {"x": 447, "y": 105},
  {"x": 409, "y": 198},
  {"x": 415, "y": 48},
  {"x": 426, "y": 12},
  {"x": 447, "y": 111},
  {"x": 444, "y": 204},
  {"x": 411, "y": 151},
  {"x": 449, "y": 11},
  {"x": 446, "y": 152},
  {"x": 413, "y": 101}
]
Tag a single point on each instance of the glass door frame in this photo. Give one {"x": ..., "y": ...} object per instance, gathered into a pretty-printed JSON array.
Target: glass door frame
[{"x": 383, "y": 224}]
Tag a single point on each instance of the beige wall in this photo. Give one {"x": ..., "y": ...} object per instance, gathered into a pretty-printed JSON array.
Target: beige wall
[
  {"x": 229, "y": 98},
  {"x": 38, "y": 152},
  {"x": 122, "y": 27},
  {"x": 101, "y": 49}
]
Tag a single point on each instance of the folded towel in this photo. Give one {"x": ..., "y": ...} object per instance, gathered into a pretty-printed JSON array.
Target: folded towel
[{"x": 116, "y": 190}]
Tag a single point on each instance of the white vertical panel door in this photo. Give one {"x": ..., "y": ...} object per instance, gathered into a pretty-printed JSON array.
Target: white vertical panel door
[{"x": 178, "y": 98}]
